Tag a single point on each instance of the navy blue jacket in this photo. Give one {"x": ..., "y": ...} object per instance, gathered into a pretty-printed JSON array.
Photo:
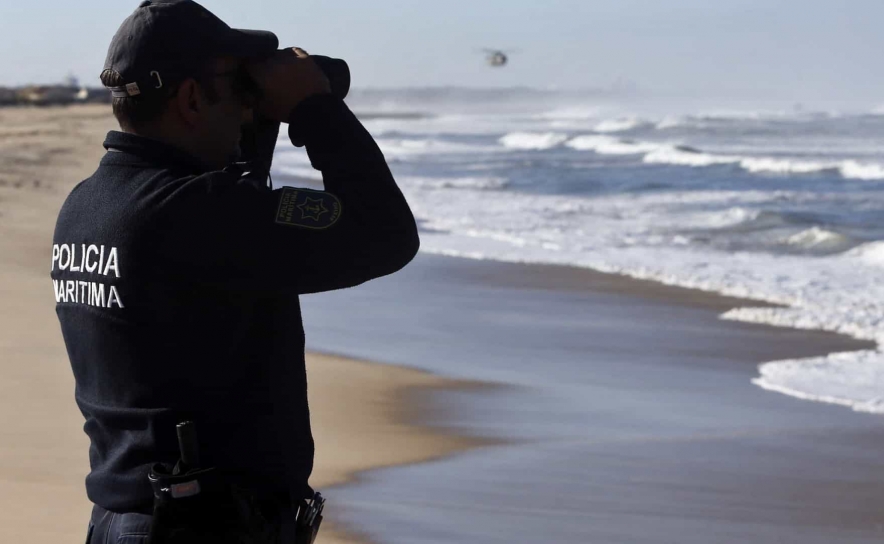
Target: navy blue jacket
[{"x": 177, "y": 293}]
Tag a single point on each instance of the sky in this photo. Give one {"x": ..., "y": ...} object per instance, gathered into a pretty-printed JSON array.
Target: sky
[{"x": 808, "y": 49}]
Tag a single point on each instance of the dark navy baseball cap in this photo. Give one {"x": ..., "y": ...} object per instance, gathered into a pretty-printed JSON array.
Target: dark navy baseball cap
[{"x": 166, "y": 41}]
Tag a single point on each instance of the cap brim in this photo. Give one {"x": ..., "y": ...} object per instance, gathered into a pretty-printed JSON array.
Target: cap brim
[{"x": 250, "y": 44}]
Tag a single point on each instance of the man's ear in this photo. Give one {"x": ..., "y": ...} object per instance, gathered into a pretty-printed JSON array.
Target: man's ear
[{"x": 189, "y": 101}]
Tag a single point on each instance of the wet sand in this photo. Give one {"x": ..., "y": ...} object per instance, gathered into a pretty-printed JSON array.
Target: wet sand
[{"x": 630, "y": 414}]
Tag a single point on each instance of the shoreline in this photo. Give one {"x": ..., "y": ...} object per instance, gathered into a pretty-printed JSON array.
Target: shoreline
[
  {"x": 382, "y": 421},
  {"x": 642, "y": 412}
]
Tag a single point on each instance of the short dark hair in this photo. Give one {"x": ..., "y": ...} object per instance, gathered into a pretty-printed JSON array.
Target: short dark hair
[{"x": 135, "y": 112}]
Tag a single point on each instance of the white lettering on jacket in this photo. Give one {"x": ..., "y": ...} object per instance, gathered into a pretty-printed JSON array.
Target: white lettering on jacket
[{"x": 86, "y": 259}]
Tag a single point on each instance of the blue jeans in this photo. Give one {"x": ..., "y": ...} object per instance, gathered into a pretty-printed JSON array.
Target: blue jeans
[{"x": 107, "y": 527}]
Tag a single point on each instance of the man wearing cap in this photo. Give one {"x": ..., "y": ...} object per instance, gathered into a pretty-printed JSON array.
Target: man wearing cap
[{"x": 177, "y": 269}]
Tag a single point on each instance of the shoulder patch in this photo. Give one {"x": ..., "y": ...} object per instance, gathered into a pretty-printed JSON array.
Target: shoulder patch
[{"x": 307, "y": 209}]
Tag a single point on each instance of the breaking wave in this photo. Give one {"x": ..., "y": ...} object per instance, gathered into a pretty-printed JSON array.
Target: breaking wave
[
  {"x": 403, "y": 148},
  {"x": 476, "y": 183},
  {"x": 607, "y": 145},
  {"x": 681, "y": 155},
  {"x": 618, "y": 125},
  {"x": 817, "y": 239},
  {"x": 871, "y": 253},
  {"x": 849, "y": 379},
  {"x": 532, "y": 140}
]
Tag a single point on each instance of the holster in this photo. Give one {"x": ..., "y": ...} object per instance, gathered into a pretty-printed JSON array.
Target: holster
[
  {"x": 199, "y": 507},
  {"x": 309, "y": 518}
]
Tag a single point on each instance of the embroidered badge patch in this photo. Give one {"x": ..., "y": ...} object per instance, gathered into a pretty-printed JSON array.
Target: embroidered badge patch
[{"x": 307, "y": 209}]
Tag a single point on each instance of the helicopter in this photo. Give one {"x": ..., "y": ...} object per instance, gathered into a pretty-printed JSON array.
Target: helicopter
[{"x": 496, "y": 58}]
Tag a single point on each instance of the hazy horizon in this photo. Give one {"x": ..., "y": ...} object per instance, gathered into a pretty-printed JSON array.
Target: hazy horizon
[{"x": 804, "y": 51}]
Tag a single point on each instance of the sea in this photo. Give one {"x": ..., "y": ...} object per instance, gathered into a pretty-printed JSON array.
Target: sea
[
  {"x": 619, "y": 418},
  {"x": 768, "y": 200}
]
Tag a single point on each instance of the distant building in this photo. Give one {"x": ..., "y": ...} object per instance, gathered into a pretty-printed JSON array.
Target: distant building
[
  {"x": 7, "y": 97},
  {"x": 49, "y": 95},
  {"x": 46, "y": 95}
]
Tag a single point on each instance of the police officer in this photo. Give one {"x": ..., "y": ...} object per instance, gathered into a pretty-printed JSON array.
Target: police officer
[{"x": 177, "y": 270}]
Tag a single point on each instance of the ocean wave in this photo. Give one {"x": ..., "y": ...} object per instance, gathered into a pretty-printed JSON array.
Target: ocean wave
[
  {"x": 681, "y": 156},
  {"x": 477, "y": 183},
  {"x": 849, "y": 379},
  {"x": 618, "y": 125},
  {"x": 744, "y": 115},
  {"x": 812, "y": 237},
  {"x": 532, "y": 140},
  {"x": 817, "y": 239},
  {"x": 727, "y": 118},
  {"x": 783, "y": 166},
  {"x": 398, "y": 148},
  {"x": 673, "y": 121},
  {"x": 577, "y": 113},
  {"x": 854, "y": 170},
  {"x": 848, "y": 169},
  {"x": 305, "y": 172},
  {"x": 686, "y": 157},
  {"x": 732, "y": 217},
  {"x": 608, "y": 145},
  {"x": 870, "y": 253}
]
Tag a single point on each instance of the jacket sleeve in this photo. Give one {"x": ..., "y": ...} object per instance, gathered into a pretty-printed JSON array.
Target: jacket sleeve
[{"x": 360, "y": 228}]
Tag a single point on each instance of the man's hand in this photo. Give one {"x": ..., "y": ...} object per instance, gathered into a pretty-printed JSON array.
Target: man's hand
[{"x": 285, "y": 79}]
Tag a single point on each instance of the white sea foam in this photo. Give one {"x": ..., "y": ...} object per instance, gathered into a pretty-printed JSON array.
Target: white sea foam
[
  {"x": 671, "y": 121},
  {"x": 851, "y": 379},
  {"x": 855, "y": 170},
  {"x": 871, "y": 253},
  {"x": 453, "y": 123},
  {"x": 607, "y": 145},
  {"x": 743, "y": 115},
  {"x": 532, "y": 140},
  {"x": 682, "y": 157},
  {"x": 719, "y": 117},
  {"x": 478, "y": 183},
  {"x": 848, "y": 169},
  {"x": 406, "y": 148},
  {"x": 661, "y": 153},
  {"x": 618, "y": 125},
  {"x": 784, "y": 166},
  {"x": 815, "y": 237},
  {"x": 575, "y": 113}
]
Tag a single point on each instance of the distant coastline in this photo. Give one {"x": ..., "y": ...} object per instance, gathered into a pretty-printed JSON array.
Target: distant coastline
[
  {"x": 53, "y": 95},
  {"x": 71, "y": 92}
]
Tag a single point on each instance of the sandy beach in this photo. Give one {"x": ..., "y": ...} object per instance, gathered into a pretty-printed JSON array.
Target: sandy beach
[{"x": 628, "y": 413}]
